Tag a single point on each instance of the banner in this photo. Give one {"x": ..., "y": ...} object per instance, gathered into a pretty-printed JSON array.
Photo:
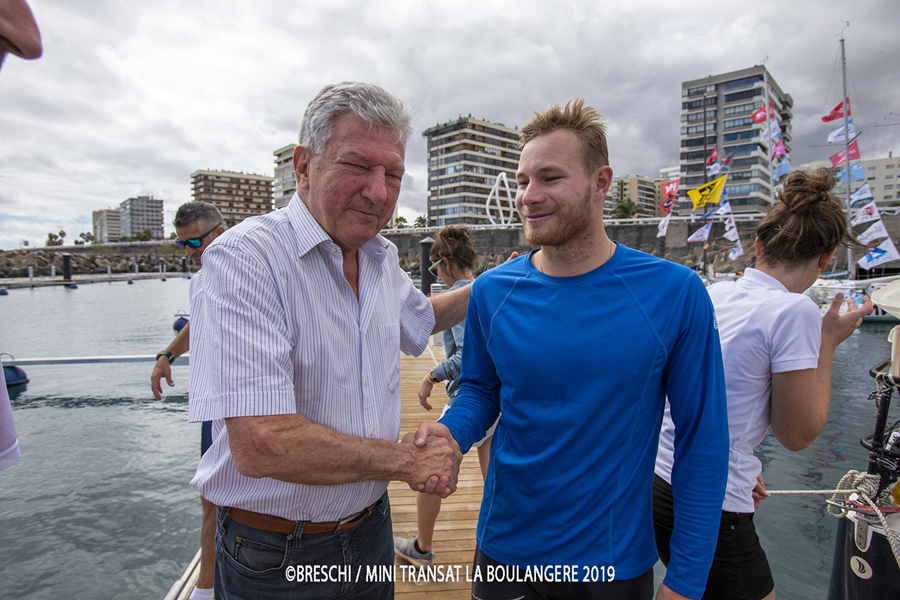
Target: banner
[
  {"x": 773, "y": 132},
  {"x": 856, "y": 174},
  {"x": 738, "y": 250},
  {"x": 663, "y": 226},
  {"x": 778, "y": 149},
  {"x": 731, "y": 235},
  {"x": 875, "y": 232},
  {"x": 713, "y": 169},
  {"x": 885, "y": 252},
  {"x": 714, "y": 156},
  {"x": 670, "y": 191},
  {"x": 837, "y": 112},
  {"x": 724, "y": 209},
  {"x": 838, "y": 134},
  {"x": 701, "y": 234},
  {"x": 783, "y": 168},
  {"x": 867, "y": 213},
  {"x": 760, "y": 115},
  {"x": 708, "y": 193},
  {"x": 838, "y": 158},
  {"x": 861, "y": 195},
  {"x": 727, "y": 162}
]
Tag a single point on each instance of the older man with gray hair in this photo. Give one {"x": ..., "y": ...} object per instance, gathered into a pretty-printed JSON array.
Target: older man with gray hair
[{"x": 304, "y": 314}]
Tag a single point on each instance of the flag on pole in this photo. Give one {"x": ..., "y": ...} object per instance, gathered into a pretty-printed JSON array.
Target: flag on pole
[
  {"x": 861, "y": 195},
  {"x": 670, "y": 191},
  {"x": 867, "y": 213},
  {"x": 875, "y": 232},
  {"x": 837, "y": 112},
  {"x": 724, "y": 208},
  {"x": 838, "y": 134},
  {"x": 663, "y": 226},
  {"x": 778, "y": 149},
  {"x": 714, "y": 156},
  {"x": 760, "y": 115},
  {"x": 783, "y": 168},
  {"x": 701, "y": 234},
  {"x": 726, "y": 164},
  {"x": 838, "y": 158},
  {"x": 856, "y": 174},
  {"x": 738, "y": 250},
  {"x": 708, "y": 193},
  {"x": 731, "y": 235},
  {"x": 709, "y": 214},
  {"x": 713, "y": 169},
  {"x": 885, "y": 252},
  {"x": 772, "y": 132}
]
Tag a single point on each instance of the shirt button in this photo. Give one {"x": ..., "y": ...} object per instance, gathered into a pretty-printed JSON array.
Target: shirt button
[
  {"x": 373, "y": 433},
  {"x": 367, "y": 381},
  {"x": 333, "y": 250}
]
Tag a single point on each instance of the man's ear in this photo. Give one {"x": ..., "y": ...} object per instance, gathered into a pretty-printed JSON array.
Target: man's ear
[
  {"x": 603, "y": 177},
  {"x": 302, "y": 158}
]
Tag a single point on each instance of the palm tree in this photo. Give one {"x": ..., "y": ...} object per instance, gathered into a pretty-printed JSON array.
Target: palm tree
[
  {"x": 400, "y": 222},
  {"x": 626, "y": 209},
  {"x": 420, "y": 221}
]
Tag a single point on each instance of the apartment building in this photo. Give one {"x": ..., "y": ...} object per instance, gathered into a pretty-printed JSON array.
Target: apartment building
[
  {"x": 107, "y": 225},
  {"x": 642, "y": 191},
  {"x": 236, "y": 194},
  {"x": 137, "y": 215},
  {"x": 716, "y": 112},
  {"x": 465, "y": 158},
  {"x": 285, "y": 182}
]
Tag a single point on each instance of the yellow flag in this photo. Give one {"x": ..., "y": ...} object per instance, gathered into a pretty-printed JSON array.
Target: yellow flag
[{"x": 708, "y": 193}]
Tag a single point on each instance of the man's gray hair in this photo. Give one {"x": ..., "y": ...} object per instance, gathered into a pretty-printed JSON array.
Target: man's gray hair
[
  {"x": 200, "y": 212},
  {"x": 373, "y": 104}
]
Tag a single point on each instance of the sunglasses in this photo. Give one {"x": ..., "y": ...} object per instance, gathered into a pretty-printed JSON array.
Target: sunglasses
[
  {"x": 433, "y": 268},
  {"x": 194, "y": 242}
]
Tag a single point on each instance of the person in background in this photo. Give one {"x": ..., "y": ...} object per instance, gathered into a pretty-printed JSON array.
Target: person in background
[
  {"x": 578, "y": 344},
  {"x": 777, "y": 351},
  {"x": 454, "y": 256},
  {"x": 197, "y": 224},
  {"x": 19, "y": 35}
]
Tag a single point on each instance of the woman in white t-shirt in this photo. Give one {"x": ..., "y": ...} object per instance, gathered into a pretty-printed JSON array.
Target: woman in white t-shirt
[{"x": 777, "y": 352}]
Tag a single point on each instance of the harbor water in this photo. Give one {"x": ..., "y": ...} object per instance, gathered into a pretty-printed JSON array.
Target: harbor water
[{"x": 100, "y": 507}]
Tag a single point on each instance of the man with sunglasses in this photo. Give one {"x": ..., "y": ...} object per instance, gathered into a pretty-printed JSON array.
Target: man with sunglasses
[{"x": 197, "y": 224}]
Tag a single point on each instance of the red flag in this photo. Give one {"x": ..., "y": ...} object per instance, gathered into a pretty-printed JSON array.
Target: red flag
[
  {"x": 670, "y": 190},
  {"x": 727, "y": 160},
  {"x": 838, "y": 158},
  {"x": 837, "y": 112},
  {"x": 760, "y": 115},
  {"x": 713, "y": 157}
]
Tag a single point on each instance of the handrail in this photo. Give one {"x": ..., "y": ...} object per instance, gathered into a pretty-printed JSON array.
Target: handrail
[{"x": 82, "y": 360}]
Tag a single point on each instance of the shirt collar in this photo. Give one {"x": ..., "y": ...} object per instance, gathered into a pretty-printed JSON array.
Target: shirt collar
[
  {"x": 310, "y": 234},
  {"x": 757, "y": 277}
]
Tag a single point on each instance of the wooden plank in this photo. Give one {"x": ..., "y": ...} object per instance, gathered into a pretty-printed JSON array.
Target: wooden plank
[{"x": 454, "y": 532}]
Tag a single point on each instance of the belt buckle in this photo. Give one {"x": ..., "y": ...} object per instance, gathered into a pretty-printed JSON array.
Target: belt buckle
[{"x": 343, "y": 522}]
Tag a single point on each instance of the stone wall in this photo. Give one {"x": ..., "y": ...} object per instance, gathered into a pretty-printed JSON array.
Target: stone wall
[{"x": 494, "y": 246}]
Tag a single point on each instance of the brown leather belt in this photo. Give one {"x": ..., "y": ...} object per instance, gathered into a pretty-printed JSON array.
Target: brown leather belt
[{"x": 278, "y": 525}]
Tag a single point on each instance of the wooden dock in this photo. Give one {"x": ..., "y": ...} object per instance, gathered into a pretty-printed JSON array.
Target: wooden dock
[{"x": 454, "y": 533}]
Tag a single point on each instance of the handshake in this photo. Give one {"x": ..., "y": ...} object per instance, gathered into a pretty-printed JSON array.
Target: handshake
[{"x": 434, "y": 460}]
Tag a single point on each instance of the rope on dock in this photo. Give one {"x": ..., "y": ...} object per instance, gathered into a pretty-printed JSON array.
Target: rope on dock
[{"x": 864, "y": 485}]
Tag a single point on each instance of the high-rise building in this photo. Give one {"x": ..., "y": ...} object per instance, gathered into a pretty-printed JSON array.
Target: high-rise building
[
  {"x": 716, "y": 113},
  {"x": 237, "y": 195},
  {"x": 285, "y": 183},
  {"x": 641, "y": 190},
  {"x": 465, "y": 158},
  {"x": 107, "y": 225},
  {"x": 140, "y": 214}
]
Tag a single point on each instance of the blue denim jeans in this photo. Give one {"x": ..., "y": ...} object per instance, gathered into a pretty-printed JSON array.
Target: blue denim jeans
[{"x": 252, "y": 564}]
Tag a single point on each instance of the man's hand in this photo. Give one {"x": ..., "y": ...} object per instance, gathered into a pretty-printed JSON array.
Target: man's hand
[
  {"x": 512, "y": 256},
  {"x": 425, "y": 391},
  {"x": 162, "y": 369},
  {"x": 759, "y": 492},
  {"x": 837, "y": 327},
  {"x": 438, "y": 459},
  {"x": 666, "y": 593}
]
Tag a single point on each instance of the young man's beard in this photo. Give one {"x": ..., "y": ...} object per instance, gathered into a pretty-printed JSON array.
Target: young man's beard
[{"x": 572, "y": 223}]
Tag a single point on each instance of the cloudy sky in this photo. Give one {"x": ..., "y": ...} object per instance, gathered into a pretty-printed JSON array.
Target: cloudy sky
[{"x": 131, "y": 97}]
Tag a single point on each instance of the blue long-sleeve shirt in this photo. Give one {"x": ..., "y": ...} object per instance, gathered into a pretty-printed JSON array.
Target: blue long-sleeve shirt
[{"x": 580, "y": 368}]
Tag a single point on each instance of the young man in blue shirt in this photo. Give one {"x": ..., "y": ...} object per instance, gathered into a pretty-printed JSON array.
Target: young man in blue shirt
[{"x": 578, "y": 344}]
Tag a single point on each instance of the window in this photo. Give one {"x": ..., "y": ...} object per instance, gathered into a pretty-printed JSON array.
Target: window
[
  {"x": 745, "y": 95},
  {"x": 743, "y": 82}
]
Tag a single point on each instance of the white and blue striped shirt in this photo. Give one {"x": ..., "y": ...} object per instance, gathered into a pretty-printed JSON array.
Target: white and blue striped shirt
[{"x": 281, "y": 332}]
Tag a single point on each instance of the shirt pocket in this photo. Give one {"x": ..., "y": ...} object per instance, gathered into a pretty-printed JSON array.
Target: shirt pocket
[{"x": 389, "y": 340}]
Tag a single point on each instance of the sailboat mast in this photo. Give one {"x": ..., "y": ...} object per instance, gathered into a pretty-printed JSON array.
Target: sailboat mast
[{"x": 845, "y": 102}]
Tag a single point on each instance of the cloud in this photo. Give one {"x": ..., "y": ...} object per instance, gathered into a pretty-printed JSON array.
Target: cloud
[{"x": 131, "y": 98}]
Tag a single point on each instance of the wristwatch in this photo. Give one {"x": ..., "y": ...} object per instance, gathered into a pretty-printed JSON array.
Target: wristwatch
[
  {"x": 432, "y": 377},
  {"x": 167, "y": 354}
]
